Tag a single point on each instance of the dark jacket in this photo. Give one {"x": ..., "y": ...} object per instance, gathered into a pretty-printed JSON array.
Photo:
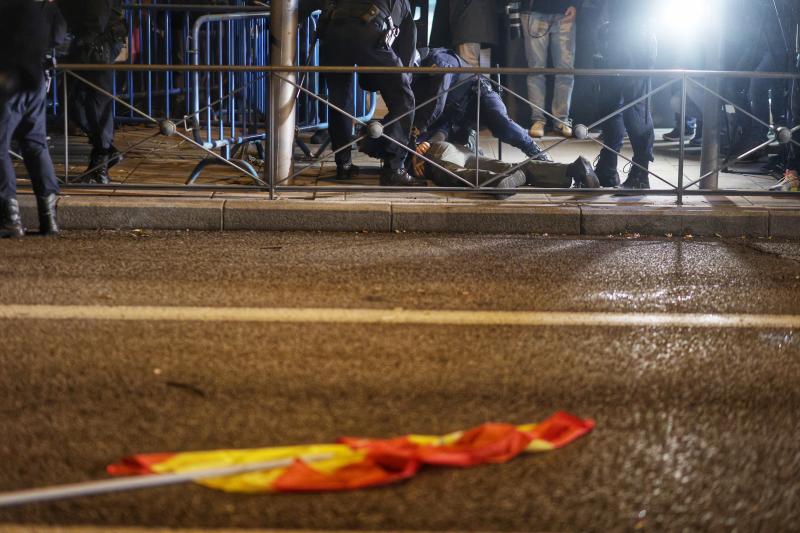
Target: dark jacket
[
  {"x": 427, "y": 86},
  {"x": 89, "y": 18},
  {"x": 465, "y": 21},
  {"x": 549, "y": 6},
  {"x": 24, "y": 40}
]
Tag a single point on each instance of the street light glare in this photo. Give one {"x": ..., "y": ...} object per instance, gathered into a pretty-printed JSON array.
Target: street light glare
[{"x": 681, "y": 17}]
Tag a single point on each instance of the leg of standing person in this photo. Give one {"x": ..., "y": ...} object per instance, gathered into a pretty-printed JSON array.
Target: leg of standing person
[
  {"x": 536, "y": 37},
  {"x": 10, "y": 221},
  {"x": 396, "y": 92},
  {"x": 639, "y": 125},
  {"x": 100, "y": 116},
  {"x": 564, "y": 40},
  {"x": 32, "y": 136},
  {"x": 613, "y": 131}
]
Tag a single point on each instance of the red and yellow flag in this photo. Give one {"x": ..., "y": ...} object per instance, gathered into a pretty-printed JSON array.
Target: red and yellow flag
[{"x": 354, "y": 463}]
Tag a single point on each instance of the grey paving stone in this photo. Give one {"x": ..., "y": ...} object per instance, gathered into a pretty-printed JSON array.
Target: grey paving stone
[
  {"x": 81, "y": 212},
  {"x": 306, "y": 215},
  {"x": 784, "y": 223},
  {"x": 465, "y": 218}
]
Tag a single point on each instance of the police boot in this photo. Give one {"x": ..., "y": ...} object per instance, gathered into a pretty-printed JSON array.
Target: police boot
[
  {"x": 346, "y": 171},
  {"x": 396, "y": 177},
  {"x": 10, "y": 221},
  {"x": 606, "y": 171},
  {"x": 97, "y": 171},
  {"x": 48, "y": 222},
  {"x": 637, "y": 179}
]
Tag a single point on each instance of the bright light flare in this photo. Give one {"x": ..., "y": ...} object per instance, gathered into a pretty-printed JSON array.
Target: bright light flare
[{"x": 682, "y": 18}]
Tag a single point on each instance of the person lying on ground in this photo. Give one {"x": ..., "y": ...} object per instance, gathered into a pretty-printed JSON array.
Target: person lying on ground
[{"x": 495, "y": 173}]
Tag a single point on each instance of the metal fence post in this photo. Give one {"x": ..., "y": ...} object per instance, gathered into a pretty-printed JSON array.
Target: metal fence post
[
  {"x": 711, "y": 106},
  {"x": 682, "y": 154},
  {"x": 65, "y": 107},
  {"x": 283, "y": 38},
  {"x": 270, "y": 166}
]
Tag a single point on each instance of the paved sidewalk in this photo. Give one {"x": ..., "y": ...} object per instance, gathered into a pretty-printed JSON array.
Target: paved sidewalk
[{"x": 159, "y": 161}]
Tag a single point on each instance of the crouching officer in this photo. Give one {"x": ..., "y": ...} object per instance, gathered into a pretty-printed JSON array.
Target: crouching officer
[
  {"x": 99, "y": 31},
  {"x": 24, "y": 39},
  {"x": 377, "y": 33},
  {"x": 452, "y": 112}
]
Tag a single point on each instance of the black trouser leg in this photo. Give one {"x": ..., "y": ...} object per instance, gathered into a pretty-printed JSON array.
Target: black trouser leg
[
  {"x": 32, "y": 135},
  {"x": 340, "y": 126},
  {"x": 639, "y": 122}
]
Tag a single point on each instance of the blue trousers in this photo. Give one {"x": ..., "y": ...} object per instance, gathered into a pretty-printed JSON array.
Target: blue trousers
[
  {"x": 22, "y": 117},
  {"x": 494, "y": 115}
]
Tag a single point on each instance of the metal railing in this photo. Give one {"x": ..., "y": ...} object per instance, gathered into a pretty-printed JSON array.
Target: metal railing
[{"x": 679, "y": 186}]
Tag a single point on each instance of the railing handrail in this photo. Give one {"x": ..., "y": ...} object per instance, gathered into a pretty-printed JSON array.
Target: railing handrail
[
  {"x": 123, "y": 67},
  {"x": 194, "y": 8}
]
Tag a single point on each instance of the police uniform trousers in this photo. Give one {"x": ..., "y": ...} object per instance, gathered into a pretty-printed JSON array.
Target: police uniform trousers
[
  {"x": 93, "y": 111},
  {"x": 464, "y": 163},
  {"x": 626, "y": 52},
  {"x": 22, "y": 117},
  {"x": 351, "y": 42}
]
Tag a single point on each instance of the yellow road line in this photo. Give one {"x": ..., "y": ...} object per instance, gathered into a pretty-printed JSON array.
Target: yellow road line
[{"x": 393, "y": 316}]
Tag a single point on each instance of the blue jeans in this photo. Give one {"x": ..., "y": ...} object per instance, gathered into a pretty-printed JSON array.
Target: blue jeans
[{"x": 545, "y": 33}]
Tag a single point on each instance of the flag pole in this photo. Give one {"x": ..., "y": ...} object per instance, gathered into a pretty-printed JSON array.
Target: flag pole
[{"x": 93, "y": 488}]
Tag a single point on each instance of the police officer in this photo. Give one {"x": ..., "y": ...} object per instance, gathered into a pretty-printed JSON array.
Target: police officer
[
  {"x": 628, "y": 43},
  {"x": 370, "y": 33},
  {"x": 454, "y": 110},
  {"x": 99, "y": 31},
  {"x": 24, "y": 39}
]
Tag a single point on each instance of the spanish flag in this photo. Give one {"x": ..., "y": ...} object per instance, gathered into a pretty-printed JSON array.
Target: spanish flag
[{"x": 355, "y": 463}]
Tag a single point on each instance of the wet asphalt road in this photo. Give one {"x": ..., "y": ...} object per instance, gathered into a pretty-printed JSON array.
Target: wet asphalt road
[{"x": 697, "y": 429}]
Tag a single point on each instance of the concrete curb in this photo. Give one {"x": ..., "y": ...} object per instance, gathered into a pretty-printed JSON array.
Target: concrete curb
[
  {"x": 725, "y": 222},
  {"x": 475, "y": 218},
  {"x": 203, "y": 214},
  {"x": 304, "y": 215},
  {"x": 81, "y": 212}
]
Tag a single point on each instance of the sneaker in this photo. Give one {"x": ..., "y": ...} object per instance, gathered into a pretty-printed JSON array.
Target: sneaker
[
  {"x": 563, "y": 129},
  {"x": 789, "y": 183},
  {"x": 675, "y": 134},
  {"x": 537, "y": 130}
]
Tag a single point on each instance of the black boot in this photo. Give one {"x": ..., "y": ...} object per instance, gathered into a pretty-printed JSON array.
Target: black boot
[
  {"x": 10, "y": 221},
  {"x": 97, "y": 171},
  {"x": 346, "y": 171},
  {"x": 637, "y": 179},
  {"x": 582, "y": 172},
  {"x": 391, "y": 177},
  {"x": 48, "y": 221}
]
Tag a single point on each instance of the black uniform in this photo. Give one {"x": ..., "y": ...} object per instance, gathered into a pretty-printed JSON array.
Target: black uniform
[
  {"x": 24, "y": 39},
  {"x": 629, "y": 44},
  {"x": 349, "y": 38},
  {"x": 455, "y": 109},
  {"x": 99, "y": 30}
]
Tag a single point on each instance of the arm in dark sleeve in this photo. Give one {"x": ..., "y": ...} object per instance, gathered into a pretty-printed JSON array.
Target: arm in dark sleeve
[
  {"x": 406, "y": 43},
  {"x": 435, "y": 85}
]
